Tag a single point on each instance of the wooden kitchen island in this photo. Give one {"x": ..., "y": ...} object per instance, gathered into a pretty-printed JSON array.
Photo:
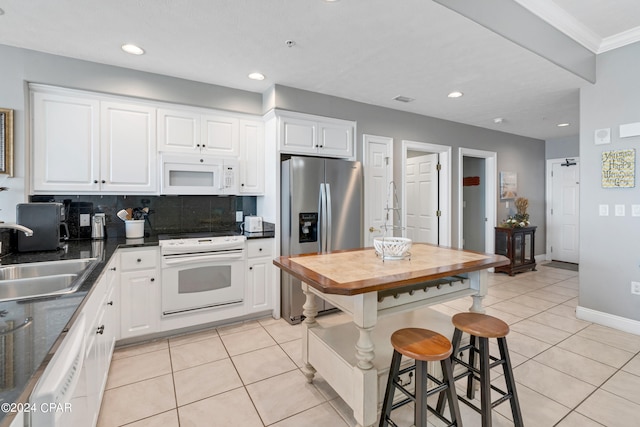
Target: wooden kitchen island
[{"x": 380, "y": 297}]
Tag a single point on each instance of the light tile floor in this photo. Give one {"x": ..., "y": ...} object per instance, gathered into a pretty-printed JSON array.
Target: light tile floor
[{"x": 568, "y": 372}]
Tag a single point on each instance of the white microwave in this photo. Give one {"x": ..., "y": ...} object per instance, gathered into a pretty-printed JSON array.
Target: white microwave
[{"x": 198, "y": 174}]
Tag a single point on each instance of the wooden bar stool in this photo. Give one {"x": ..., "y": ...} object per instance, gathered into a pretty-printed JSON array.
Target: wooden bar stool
[
  {"x": 481, "y": 327},
  {"x": 423, "y": 346}
]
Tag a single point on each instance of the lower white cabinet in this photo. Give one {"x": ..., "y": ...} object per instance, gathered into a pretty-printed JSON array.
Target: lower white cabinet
[
  {"x": 140, "y": 291},
  {"x": 259, "y": 275}
]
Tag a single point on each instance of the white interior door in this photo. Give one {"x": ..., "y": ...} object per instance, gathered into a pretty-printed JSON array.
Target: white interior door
[
  {"x": 378, "y": 171},
  {"x": 421, "y": 184},
  {"x": 563, "y": 231}
]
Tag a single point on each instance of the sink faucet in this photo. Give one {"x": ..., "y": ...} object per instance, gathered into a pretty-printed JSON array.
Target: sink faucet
[{"x": 25, "y": 230}]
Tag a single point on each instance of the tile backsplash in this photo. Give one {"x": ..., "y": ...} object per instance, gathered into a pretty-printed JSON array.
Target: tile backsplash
[{"x": 168, "y": 214}]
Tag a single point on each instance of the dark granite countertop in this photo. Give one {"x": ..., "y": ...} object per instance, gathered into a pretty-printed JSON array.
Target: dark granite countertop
[{"x": 25, "y": 353}]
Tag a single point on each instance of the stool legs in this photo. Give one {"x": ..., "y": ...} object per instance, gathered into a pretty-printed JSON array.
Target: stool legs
[
  {"x": 511, "y": 382},
  {"x": 387, "y": 404},
  {"x": 421, "y": 393},
  {"x": 481, "y": 346}
]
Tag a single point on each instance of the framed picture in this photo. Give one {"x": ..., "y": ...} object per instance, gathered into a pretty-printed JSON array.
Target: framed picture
[
  {"x": 508, "y": 185},
  {"x": 619, "y": 168},
  {"x": 6, "y": 141}
]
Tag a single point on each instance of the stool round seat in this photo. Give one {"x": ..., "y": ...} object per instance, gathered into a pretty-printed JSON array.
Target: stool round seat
[
  {"x": 480, "y": 325},
  {"x": 421, "y": 344}
]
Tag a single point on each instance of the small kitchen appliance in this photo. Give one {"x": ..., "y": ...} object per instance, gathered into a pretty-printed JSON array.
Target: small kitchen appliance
[
  {"x": 253, "y": 224},
  {"x": 98, "y": 226},
  {"x": 44, "y": 220}
]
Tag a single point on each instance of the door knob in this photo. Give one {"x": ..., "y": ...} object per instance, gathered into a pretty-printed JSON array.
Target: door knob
[{"x": 371, "y": 229}]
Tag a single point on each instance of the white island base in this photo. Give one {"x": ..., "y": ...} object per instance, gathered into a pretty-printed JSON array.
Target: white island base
[{"x": 354, "y": 357}]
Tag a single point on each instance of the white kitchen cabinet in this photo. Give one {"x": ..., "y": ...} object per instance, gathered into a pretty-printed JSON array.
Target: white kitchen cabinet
[
  {"x": 139, "y": 292},
  {"x": 200, "y": 131},
  {"x": 86, "y": 143},
  {"x": 259, "y": 275},
  {"x": 220, "y": 135},
  {"x": 128, "y": 148},
  {"x": 320, "y": 136},
  {"x": 66, "y": 141},
  {"x": 252, "y": 157},
  {"x": 178, "y": 131}
]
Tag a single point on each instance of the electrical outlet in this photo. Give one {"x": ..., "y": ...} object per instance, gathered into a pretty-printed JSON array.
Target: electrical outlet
[
  {"x": 635, "y": 210},
  {"x": 239, "y": 216},
  {"x": 620, "y": 211},
  {"x": 603, "y": 210},
  {"x": 635, "y": 288},
  {"x": 85, "y": 220}
]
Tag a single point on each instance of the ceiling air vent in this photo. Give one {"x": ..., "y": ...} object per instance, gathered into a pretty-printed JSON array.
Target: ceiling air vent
[{"x": 401, "y": 98}]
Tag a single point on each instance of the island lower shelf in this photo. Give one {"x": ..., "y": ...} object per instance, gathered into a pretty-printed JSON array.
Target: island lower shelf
[{"x": 331, "y": 348}]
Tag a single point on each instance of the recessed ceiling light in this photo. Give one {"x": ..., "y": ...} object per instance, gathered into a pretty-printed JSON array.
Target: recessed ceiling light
[
  {"x": 401, "y": 98},
  {"x": 455, "y": 94},
  {"x": 256, "y": 76},
  {"x": 132, "y": 49},
  {"x": 498, "y": 120},
  {"x": 563, "y": 125}
]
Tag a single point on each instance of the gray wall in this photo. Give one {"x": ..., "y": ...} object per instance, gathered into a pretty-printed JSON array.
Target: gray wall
[
  {"x": 20, "y": 66},
  {"x": 562, "y": 147},
  {"x": 609, "y": 246},
  {"x": 526, "y": 156}
]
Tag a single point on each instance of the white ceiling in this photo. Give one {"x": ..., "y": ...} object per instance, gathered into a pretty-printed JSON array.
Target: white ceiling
[{"x": 366, "y": 50}]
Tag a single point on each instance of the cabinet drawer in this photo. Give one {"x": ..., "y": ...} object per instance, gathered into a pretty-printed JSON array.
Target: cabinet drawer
[
  {"x": 138, "y": 259},
  {"x": 260, "y": 248}
]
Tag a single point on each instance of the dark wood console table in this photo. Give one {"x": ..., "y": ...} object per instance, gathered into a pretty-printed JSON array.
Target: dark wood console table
[{"x": 517, "y": 244}]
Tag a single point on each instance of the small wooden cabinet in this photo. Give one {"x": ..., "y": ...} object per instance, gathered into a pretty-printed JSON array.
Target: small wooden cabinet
[{"x": 517, "y": 244}]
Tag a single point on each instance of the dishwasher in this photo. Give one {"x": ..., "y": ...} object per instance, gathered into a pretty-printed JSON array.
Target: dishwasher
[{"x": 59, "y": 397}]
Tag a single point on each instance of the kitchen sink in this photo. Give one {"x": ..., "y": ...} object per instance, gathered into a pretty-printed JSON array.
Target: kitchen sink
[
  {"x": 46, "y": 268},
  {"x": 43, "y": 279}
]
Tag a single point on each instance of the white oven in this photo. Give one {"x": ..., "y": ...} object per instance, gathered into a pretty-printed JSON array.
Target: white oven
[
  {"x": 202, "y": 273},
  {"x": 198, "y": 174}
]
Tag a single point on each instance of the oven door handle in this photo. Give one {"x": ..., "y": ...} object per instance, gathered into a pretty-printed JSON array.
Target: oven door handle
[{"x": 190, "y": 258}]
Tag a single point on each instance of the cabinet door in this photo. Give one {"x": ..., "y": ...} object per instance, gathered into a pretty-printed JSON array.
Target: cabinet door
[
  {"x": 128, "y": 142},
  {"x": 178, "y": 131},
  {"x": 65, "y": 143},
  {"x": 252, "y": 158},
  {"x": 298, "y": 135},
  {"x": 336, "y": 139},
  {"x": 220, "y": 135},
  {"x": 139, "y": 302},
  {"x": 259, "y": 285}
]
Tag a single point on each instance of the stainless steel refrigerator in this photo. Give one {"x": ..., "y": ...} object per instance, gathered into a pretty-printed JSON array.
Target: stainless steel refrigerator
[{"x": 321, "y": 212}]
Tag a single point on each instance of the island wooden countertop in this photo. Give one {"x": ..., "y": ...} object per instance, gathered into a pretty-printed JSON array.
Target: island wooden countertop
[{"x": 358, "y": 271}]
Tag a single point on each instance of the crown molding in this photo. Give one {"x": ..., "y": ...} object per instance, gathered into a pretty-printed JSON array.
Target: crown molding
[
  {"x": 563, "y": 21},
  {"x": 622, "y": 39}
]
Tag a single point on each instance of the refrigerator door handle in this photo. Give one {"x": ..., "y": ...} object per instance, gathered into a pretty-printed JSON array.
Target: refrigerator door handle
[
  {"x": 322, "y": 203},
  {"x": 328, "y": 208}
]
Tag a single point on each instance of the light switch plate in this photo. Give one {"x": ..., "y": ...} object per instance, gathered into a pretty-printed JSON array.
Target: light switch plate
[
  {"x": 635, "y": 210},
  {"x": 239, "y": 216},
  {"x": 603, "y": 210},
  {"x": 620, "y": 211}
]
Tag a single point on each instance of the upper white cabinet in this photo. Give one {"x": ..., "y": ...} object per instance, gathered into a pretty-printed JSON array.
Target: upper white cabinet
[
  {"x": 66, "y": 141},
  {"x": 252, "y": 157},
  {"x": 178, "y": 130},
  {"x": 83, "y": 144},
  {"x": 198, "y": 131},
  {"x": 128, "y": 143},
  {"x": 321, "y": 136}
]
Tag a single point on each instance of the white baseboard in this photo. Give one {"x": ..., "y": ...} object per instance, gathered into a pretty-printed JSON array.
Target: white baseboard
[{"x": 610, "y": 320}]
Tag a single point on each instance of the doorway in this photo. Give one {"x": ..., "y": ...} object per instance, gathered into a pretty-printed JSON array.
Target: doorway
[
  {"x": 426, "y": 192},
  {"x": 378, "y": 171},
  {"x": 563, "y": 213},
  {"x": 477, "y": 199}
]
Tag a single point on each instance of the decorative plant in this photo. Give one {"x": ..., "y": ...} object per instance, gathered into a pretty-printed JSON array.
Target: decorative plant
[{"x": 521, "y": 218}]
